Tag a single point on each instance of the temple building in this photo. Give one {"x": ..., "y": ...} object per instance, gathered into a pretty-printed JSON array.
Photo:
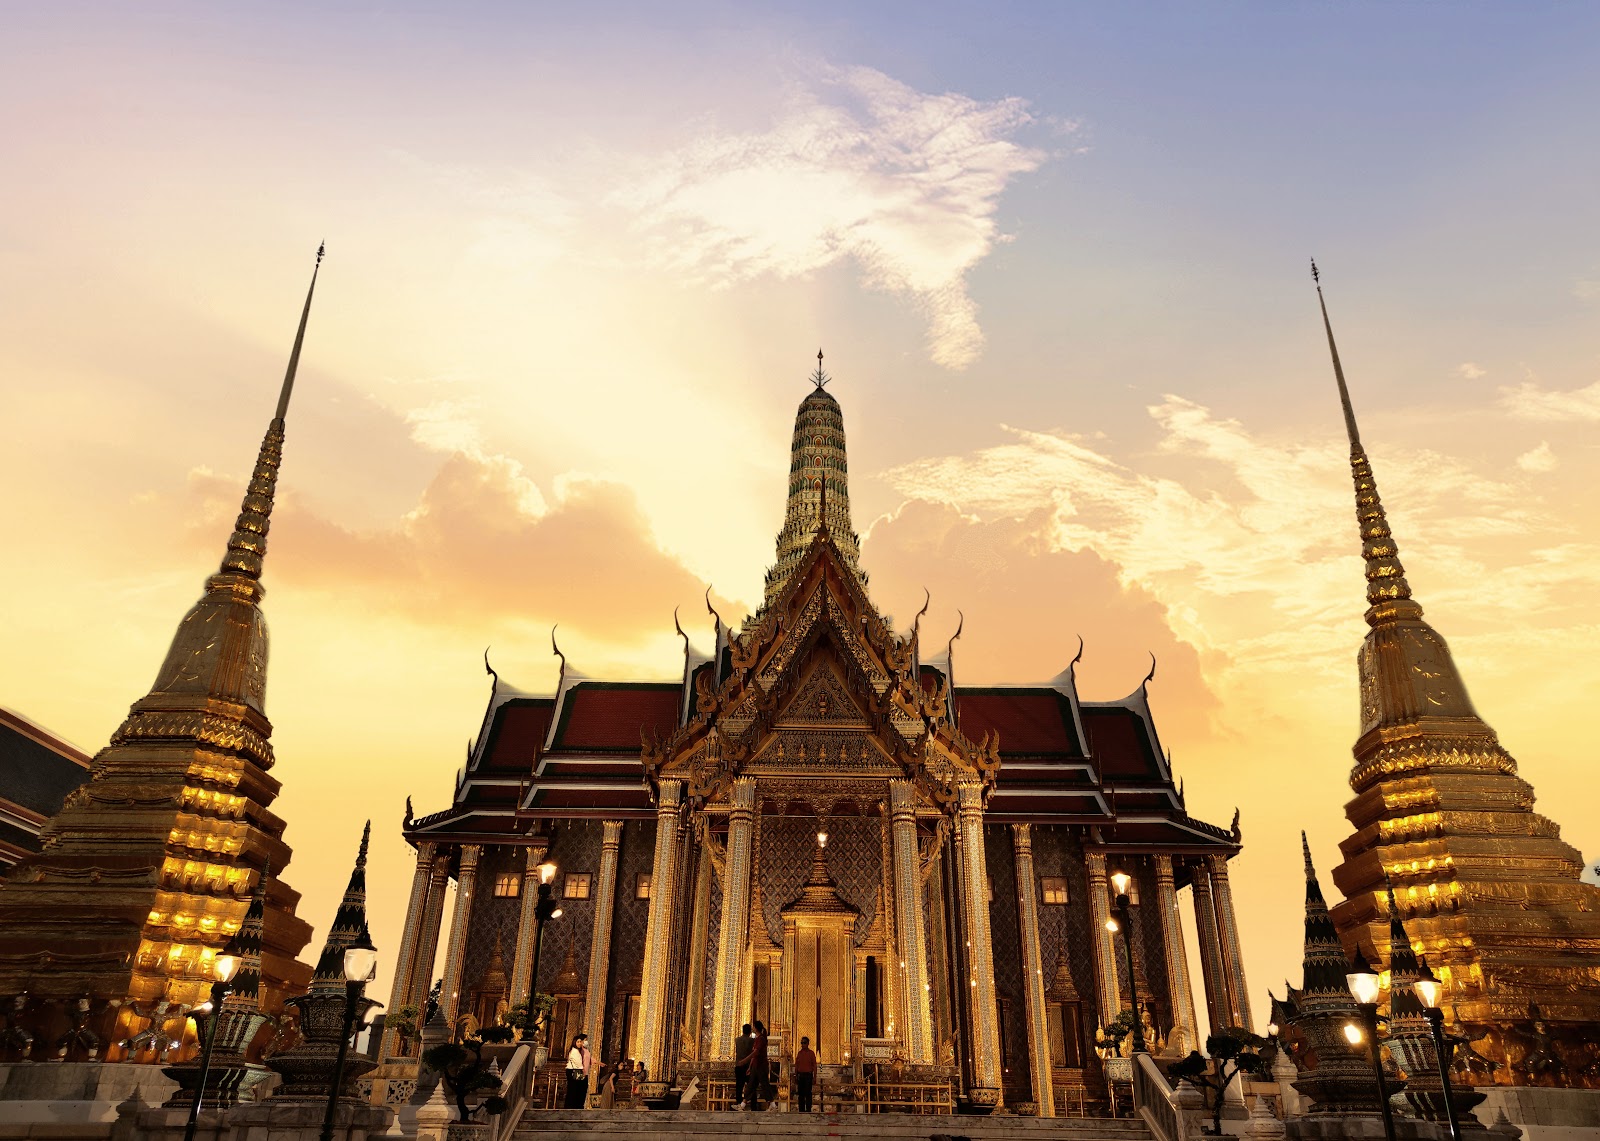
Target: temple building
[
  {"x": 818, "y": 827},
  {"x": 37, "y": 771},
  {"x": 1488, "y": 892},
  {"x": 149, "y": 867}
]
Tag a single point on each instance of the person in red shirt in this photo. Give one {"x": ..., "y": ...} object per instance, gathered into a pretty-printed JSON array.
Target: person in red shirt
[
  {"x": 755, "y": 1084},
  {"x": 805, "y": 1074}
]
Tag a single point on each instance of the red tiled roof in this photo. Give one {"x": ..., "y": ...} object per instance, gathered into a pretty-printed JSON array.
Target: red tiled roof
[
  {"x": 1030, "y": 722},
  {"x": 517, "y": 733},
  {"x": 597, "y": 715},
  {"x": 1118, "y": 743}
]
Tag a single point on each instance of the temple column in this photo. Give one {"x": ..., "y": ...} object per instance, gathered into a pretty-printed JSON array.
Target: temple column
[
  {"x": 1232, "y": 956},
  {"x": 917, "y": 1033},
  {"x": 410, "y": 937},
  {"x": 658, "y": 937},
  {"x": 733, "y": 935},
  {"x": 456, "y": 957},
  {"x": 1178, "y": 988},
  {"x": 428, "y": 934},
  {"x": 1109, "y": 990},
  {"x": 605, "y": 906},
  {"x": 1039, "y": 1065},
  {"x": 522, "y": 981},
  {"x": 891, "y": 1013},
  {"x": 694, "y": 1013},
  {"x": 1219, "y": 1008},
  {"x": 975, "y": 885}
]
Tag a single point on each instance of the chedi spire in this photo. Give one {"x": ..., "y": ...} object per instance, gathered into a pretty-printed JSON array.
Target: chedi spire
[
  {"x": 1486, "y": 884},
  {"x": 819, "y": 487},
  {"x": 151, "y": 862}
]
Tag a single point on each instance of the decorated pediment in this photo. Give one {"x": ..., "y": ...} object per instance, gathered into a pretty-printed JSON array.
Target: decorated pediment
[
  {"x": 819, "y": 686},
  {"x": 822, "y": 700}
]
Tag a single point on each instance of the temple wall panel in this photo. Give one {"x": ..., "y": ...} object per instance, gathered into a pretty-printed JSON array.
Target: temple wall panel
[
  {"x": 492, "y": 918},
  {"x": 1006, "y": 936},
  {"x": 709, "y": 973},
  {"x": 1067, "y": 929},
  {"x": 1152, "y": 949},
  {"x": 855, "y": 861},
  {"x": 574, "y": 849},
  {"x": 628, "y": 931}
]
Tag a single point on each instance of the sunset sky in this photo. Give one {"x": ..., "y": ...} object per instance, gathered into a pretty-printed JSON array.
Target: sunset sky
[{"x": 580, "y": 259}]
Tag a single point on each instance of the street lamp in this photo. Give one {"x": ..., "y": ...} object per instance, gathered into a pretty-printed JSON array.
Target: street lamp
[
  {"x": 1121, "y": 881},
  {"x": 223, "y": 967},
  {"x": 545, "y": 910},
  {"x": 1363, "y": 982},
  {"x": 360, "y": 965},
  {"x": 1429, "y": 990}
]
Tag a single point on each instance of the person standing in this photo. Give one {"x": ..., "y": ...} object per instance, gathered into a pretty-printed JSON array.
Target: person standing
[
  {"x": 805, "y": 1074},
  {"x": 577, "y": 1074},
  {"x": 741, "y": 1065},
  {"x": 757, "y": 1077}
]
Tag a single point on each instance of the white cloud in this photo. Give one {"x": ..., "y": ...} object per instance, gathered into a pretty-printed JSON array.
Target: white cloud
[
  {"x": 1586, "y": 289},
  {"x": 860, "y": 167},
  {"x": 1471, "y": 370},
  {"x": 1540, "y": 459},
  {"x": 1266, "y": 523},
  {"x": 449, "y": 426},
  {"x": 1528, "y": 401}
]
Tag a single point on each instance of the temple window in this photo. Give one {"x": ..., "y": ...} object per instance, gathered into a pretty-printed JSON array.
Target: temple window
[
  {"x": 577, "y": 886},
  {"x": 641, "y": 886},
  {"x": 507, "y": 885},
  {"x": 1054, "y": 889}
]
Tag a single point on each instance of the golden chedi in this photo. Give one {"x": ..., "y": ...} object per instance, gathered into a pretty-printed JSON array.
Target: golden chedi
[
  {"x": 150, "y": 865},
  {"x": 1487, "y": 889}
]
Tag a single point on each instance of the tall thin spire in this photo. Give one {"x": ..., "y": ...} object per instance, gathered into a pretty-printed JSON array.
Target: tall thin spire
[
  {"x": 1386, "y": 577},
  {"x": 348, "y": 922},
  {"x": 248, "y": 543}
]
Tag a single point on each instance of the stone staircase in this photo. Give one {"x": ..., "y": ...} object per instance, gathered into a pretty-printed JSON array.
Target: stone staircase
[{"x": 691, "y": 1125}]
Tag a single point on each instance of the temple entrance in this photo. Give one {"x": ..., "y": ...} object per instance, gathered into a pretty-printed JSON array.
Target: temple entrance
[{"x": 818, "y": 966}]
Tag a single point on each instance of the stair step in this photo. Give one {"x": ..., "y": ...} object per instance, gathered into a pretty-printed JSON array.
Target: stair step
[{"x": 692, "y": 1125}]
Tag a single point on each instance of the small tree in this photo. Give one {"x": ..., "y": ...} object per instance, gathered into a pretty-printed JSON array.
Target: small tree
[
  {"x": 462, "y": 1068},
  {"x": 1118, "y": 1029},
  {"x": 528, "y": 1018},
  {"x": 1235, "y": 1051},
  {"x": 403, "y": 1021},
  {"x": 431, "y": 1007}
]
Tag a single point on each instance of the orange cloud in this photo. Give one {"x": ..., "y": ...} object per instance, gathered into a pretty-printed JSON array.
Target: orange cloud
[
  {"x": 481, "y": 547},
  {"x": 1026, "y": 604}
]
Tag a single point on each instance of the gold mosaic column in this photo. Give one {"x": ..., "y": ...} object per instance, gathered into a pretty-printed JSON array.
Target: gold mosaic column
[
  {"x": 410, "y": 936},
  {"x": 985, "y": 1016},
  {"x": 891, "y": 1011},
  {"x": 694, "y": 1014},
  {"x": 1178, "y": 988},
  {"x": 1232, "y": 957},
  {"x": 1219, "y": 1008},
  {"x": 1105, "y": 948},
  {"x": 522, "y": 982},
  {"x": 605, "y": 906},
  {"x": 658, "y": 938},
  {"x": 917, "y": 1033},
  {"x": 733, "y": 934},
  {"x": 1044, "y": 1095},
  {"x": 456, "y": 956},
  {"x": 428, "y": 936}
]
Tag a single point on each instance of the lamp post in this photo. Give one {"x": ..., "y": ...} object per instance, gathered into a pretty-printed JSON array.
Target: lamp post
[
  {"x": 223, "y": 968},
  {"x": 360, "y": 965},
  {"x": 1428, "y": 991},
  {"x": 1121, "y": 881},
  {"x": 1363, "y": 982},
  {"x": 545, "y": 910}
]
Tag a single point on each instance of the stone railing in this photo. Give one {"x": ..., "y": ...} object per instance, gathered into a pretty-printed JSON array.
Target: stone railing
[
  {"x": 516, "y": 1087},
  {"x": 1152, "y": 1099}
]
